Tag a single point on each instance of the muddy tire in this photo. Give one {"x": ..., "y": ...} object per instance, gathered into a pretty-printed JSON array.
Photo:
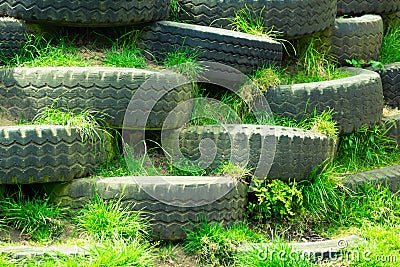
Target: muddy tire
[
  {"x": 86, "y": 13},
  {"x": 168, "y": 221},
  {"x": 390, "y": 77},
  {"x": 361, "y": 7},
  {"x": 272, "y": 151},
  {"x": 242, "y": 51},
  {"x": 293, "y": 18},
  {"x": 356, "y": 100},
  {"x": 26, "y": 91},
  {"x": 45, "y": 153},
  {"x": 356, "y": 38},
  {"x": 389, "y": 177}
]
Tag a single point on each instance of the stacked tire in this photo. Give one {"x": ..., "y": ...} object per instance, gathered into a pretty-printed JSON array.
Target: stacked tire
[{"x": 60, "y": 157}]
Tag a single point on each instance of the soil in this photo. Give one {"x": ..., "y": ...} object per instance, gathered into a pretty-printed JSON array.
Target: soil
[
  {"x": 388, "y": 111},
  {"x": 178, "y": 259},
  {"x": 7, "y": 122}
]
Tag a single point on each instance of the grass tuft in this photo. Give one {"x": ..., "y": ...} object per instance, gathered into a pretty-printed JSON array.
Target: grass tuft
[
  {"x": 111, "y": 219},
  {"x": 35, "y": 217},
  {"x": 390, "y": 50}
]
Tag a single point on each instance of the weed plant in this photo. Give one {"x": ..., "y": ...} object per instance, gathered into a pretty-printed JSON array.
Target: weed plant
[
  {"x": 275, "y": 199},
  {"x": 43, "y": 51},
  {"x": 367, "y": 148},
  {"x": 90, "y": 124},
  {"x": 36, "y": 216},
  {"x": 124, "y": 52},
  {"x": 110, "y": 253},
  {"x": 105, "y": 220},
  {"x": 390, "y": 50}
]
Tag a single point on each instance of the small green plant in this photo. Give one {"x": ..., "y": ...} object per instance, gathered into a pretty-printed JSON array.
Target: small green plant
[
  {"x": 41, "y": 51},
  {"x": 167, "y": 252},
  {"x": 267, "y": 77},
  {"x": 273, "y": 254},
  {"x": 209, "y": 242},
  {"x": 323, "y": 194},
  {"x": 251, "y": 22},
  {"x": 121, "y": 252},
  {"x": 233, "y": 170},
  {"x": 248, "y": 21},
  {"x": 175, "y": 11},
  {"x": 275, "y": 199},
  {"x": 36, "y": 217},
  {"x": 367, "y": 148},
  {"x": 111, "y": 219},
  {"x": 124, "y": 52},
  {"x": 90, "y": 124},
  {"x": 390, "y": 50},
  {"x": 363, "y": 63},
  {"x": 109, "y": 253}
]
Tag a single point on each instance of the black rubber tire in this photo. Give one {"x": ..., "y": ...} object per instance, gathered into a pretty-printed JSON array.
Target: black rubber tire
[
  {"x": 168, "y": 221},
  {"x": 292, "y": 18},
  {"x": 393, "y": 124},
  {"x": 356, "y": 38},
  {"x": 390, "y": 77},
  {"x": 297, "y": 151},
  {"x": 356, "y": 100},
  {"x": 84, "y": 13},
  {"x": 389, "y": 177},
  {"x": 26, "y": 91},
  {"x": 391, "y": 19},
  {"x": 242, "y": 51},
  {"x": 361, "y": 7},
  {"x": 13, "y": 36},
  {"x": 45, "y": 153}
]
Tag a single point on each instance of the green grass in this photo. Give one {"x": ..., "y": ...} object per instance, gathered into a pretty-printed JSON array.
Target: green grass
[
  {"x": 390, "y": 50},
  {"x": 109, "y": 253},
  {"x": 36, "y": 216},
  {"x": 313, "y": 65},
  {"x": 231, "y": 109},
  {"x": 366, "y": 149},
  {"x": 41, "y": 51},
  {"x": 105, "y": 220},
  {"x": 90, "y": 124},
  {"x": 248, "y": 21},
  {"x": 215, "y": 245},
  {"x": 277, "y": 254},
  {"x": 124, "y": 52}
]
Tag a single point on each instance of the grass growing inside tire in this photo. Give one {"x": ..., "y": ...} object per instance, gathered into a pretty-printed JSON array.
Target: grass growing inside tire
[{"x": 90, "y": 124}]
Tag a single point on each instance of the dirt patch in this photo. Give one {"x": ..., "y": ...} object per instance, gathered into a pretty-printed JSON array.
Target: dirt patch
[
  {"x": 388, "y": 111},
  {"x": 7, "y": 122},
  {"x": 178, "y": 259}
]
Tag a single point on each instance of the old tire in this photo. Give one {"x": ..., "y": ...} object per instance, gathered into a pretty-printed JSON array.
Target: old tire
[
  {"x": 390, "y": 77},
  {"x": 277, "y": 152},
  {"x": 26, "y": 91},
  {"x": 389, "y": 176},
  {"x": 392, "y": 19},
  {"x": 356, "y": 38},
  {"x": 293, "y": 18},
  {"x": 356, "y": 100},
  {"x": 13, "y": 36},
  {"x": 45, "y": 153},
  {"x": 168, "y": 221},
  {"x": 86, "y": 13},
  {"x": 361, "y": 7},
  {"x": 392, "y": 124},
  {"x": 242, "y": 51}
]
